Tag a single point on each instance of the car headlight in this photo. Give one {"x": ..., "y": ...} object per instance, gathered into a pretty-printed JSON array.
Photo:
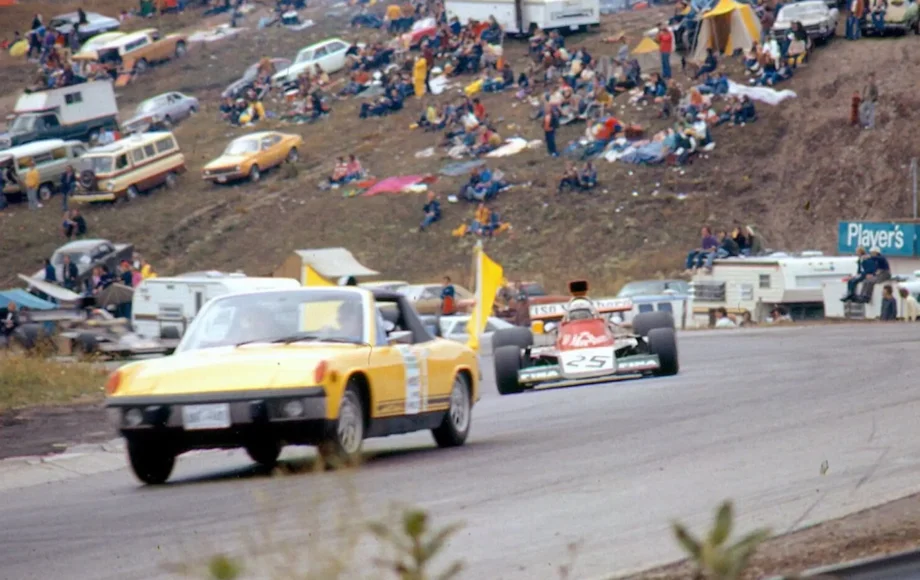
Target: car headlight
[
  {"x": 110, "y": 186},
  {"x": 238, "y": 168}
]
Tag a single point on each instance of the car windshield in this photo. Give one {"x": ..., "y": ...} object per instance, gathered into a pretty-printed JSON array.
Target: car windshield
[
  {"x": 797, "y": 11},
  {"x": 98, "y": 164},
  {"x": 79, "y": 258},
  {"x": 652, "y": 288},
  {"x": 305, "y": 56},
  {"x": 146, "y": 107},
  {"x": 242, "y": 147},
  {"x": 330, "y": 315},
  {"x": 22, "y": 123}
]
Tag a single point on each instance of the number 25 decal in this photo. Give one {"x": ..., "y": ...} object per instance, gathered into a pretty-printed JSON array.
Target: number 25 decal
[{"x": 595, "y": 362}]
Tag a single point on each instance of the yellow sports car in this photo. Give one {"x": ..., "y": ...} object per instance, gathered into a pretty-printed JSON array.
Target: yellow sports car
[
  {"x": 248, "y": 156},
  {"x": 324, "y": 366}
]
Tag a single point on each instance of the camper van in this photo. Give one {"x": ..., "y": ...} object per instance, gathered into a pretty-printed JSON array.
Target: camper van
[
  {"x": 525, "y": 17},
  {"x": 757, "y": 285},
  {"x": 164, "y": 307}
]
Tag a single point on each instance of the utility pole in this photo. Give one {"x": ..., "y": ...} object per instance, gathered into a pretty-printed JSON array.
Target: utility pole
[{"x": 913, "y": 178}]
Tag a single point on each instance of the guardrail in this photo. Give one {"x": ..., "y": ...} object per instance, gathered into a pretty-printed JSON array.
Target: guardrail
[{"x": 900, "y": 566}]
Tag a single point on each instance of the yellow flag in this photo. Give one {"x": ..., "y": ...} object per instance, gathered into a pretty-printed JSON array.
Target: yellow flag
[
  {"x": 489, "y": 276},
  {"x": 312, "y": 278}
]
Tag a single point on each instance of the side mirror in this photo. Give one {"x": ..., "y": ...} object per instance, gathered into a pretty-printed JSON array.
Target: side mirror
[{"x": 400, "y": 337}]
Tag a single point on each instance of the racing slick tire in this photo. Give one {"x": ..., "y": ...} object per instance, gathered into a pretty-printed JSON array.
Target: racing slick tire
[
  {"x": 519, "y": 336},
  {"x": 663, "y": 342},
  {"x": 455, "y": 428},
  {"x": 507, "y": 365},
  {"x": 344, "y": 440},
  {"x": 647, "y": 321},
  {"x": 151, "y": 463}
]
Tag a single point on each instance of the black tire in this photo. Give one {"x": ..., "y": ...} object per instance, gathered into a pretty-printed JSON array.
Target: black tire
[
  {"x": 507, "y": 364},
  {"x": 88, "y": 180},
  {"x": 344, "y": 440},
  {"x": 181, "y": 49},
  {"x": 152, "y": 464},
  {"x": 45, "y": 191},
  {"x": 170, "y": 333},
  {"x": 255, "y": 174},
  {"x": 519, "y": 336},
  {"x": 265, "y": 452},
  {"x": 141, "y": 66},
  {"x": 644, "y": 323},
  {"x": 663, "y": 342},
  {"x": 455, "y": 428}
]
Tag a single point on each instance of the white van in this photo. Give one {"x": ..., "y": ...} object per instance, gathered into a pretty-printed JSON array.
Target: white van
[
  {"x": 164, "y": 307},
  {"x": 525, "y": 17}
]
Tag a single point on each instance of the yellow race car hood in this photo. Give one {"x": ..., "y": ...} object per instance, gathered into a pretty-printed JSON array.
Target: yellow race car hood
[{"x": 250, "y": 367}]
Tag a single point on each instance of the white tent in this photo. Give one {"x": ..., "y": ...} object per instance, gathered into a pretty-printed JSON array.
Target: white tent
[{"x": 728, "y": 27}]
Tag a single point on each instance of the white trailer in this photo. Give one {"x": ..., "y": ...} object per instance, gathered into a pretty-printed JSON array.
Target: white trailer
[
  {"x": 526, "y": 16},
  {"x": 163, "y": 307},
  {"x": 759, "y": 284}
]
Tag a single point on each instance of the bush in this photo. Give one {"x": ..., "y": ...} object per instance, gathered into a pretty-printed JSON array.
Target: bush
[{"x": 28, "y": 380}]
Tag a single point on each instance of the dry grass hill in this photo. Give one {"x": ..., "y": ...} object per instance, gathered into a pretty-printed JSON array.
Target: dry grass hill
[{"x": 792, "y": 174}]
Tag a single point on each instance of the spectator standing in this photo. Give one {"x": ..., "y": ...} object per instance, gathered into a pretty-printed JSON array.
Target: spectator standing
[
  {"x": 665, "y": 47},
  {"x": 50, "y": 273},
  {"x": 68, "y": 185},
  {"x": 856, "y": 13},
  {"x": 448, "y": 298},
  {"x": 911, "y": 308},
  {"x": 550, "y": 123},
  {"x": 3, "y": 203},
  {"x": 889, "y": 310},
  {"x": 869, "y": 100},
  {"x": 69, "y": 272},
  {"x": 32, "y": 180},
  {"x": 10, "y": 321},
  {"x": 432, "y": 211}
]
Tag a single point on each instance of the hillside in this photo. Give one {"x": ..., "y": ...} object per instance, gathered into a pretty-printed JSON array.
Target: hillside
[{"x": 792, "y": 174}]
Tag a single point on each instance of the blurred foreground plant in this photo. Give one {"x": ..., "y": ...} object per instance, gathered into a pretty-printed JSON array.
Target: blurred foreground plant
[
  {"x": 713, "y": 556},
  {"x": 416, "y": 546},
  {"x": 34, "y": 380}
]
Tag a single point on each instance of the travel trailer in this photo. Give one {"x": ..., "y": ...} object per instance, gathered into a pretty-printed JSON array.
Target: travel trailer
[
  {"x": 759, "y": 284},
  {"x": 527, "y": 16},
  {"x": 164, "y": 307}
]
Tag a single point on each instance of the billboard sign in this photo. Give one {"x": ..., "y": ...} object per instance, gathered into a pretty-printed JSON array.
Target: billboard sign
[{"x": 892, "y": 238}]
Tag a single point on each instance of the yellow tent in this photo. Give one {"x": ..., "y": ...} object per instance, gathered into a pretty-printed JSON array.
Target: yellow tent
[
  {"x": 728, "y": 27},
  {"x": 648, "y": 55}
]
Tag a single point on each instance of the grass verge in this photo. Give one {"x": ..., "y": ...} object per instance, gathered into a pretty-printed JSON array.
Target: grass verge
[{"x": 29, "y": 381}]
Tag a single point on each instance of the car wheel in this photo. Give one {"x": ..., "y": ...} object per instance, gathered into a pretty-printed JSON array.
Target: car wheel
[
  {"x": 265, "y": 452},
  {"x": 131, "y": 193},
  {"x": 520, "y": 337},
  {"x": 293, "y": 155},
  {"x": 172, "y": 180},
  {"x": 180, "y": 49},
  {"x": 454, "y": 429},
  {"x": 644, "y": 323},
  {"x": 342, "y": 445},
  {"x": 507, "y": 365},
  {"x": 255, "y": 174},
  {"x": 152, "y": 464},
  {"x": 663, "y": 342},
  {"x": 141, "y": 66},
  {"x": 166, "y": 122},
  {"x": 45, "y": 191}
]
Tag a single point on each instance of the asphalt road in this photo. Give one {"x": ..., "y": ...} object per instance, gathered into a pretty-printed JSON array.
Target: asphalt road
[{"x": 752, "y": 416}]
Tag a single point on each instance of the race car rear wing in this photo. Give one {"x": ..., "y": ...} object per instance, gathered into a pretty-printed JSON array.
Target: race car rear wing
[{"x": 552, "y": 312}]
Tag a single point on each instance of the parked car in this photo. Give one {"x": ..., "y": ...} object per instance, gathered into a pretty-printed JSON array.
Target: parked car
[
  {"x": 87, "y": 254},
  {"x": 98, "y": 41},
  {"x": 454, "y": 327},
  {"x": 136, "y": 52},
  {"x": 50, "y": 156},
  {"x": 900, "y": 16},
  {"x": 248, "y": 156},
  {"x": 161, "y": 112},
  {"x": 95, "y": 24},
  {"x": 818, "y": 19},
  {"x": 654, "y": 288},
  {"x": 239, "y": 86},
  {"x": 427, "y": 297},
  {"x": 328, "y": 54},
  {"x": 391, "y": 285}
]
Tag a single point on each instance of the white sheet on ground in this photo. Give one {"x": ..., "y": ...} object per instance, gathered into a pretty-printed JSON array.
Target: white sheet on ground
[
  {"x": 438, "y": 84},
  {"x": 512, "y": 146},
  {"x": 217, "y": 33},
  {"x": 762, "y": 94}
]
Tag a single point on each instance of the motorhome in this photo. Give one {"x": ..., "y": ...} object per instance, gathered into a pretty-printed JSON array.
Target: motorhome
[
  {"x": 164, "y": 307},
  {"x": 757, "y": 285},
  {"x": 527, "y": 16}
]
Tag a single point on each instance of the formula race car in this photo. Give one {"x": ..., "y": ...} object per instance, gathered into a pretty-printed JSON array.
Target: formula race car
[{"x": 589, "y": 346}]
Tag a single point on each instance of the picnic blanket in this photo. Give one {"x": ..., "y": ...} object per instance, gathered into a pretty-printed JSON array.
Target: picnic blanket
[{"x": 397, "y": 184}]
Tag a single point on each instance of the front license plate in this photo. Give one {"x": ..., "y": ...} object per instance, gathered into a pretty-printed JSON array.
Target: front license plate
[
  {"x": 197, "y": 417},
  {"x": 222, "y": 179}
]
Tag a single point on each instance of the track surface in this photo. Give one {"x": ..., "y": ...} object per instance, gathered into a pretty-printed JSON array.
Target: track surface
[{"x": 752, "y": 416}]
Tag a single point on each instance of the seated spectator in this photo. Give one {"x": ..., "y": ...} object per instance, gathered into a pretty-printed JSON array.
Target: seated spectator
[
  {"x": 728, "y": 248},
  {"x": 854, "y": 281},
  {"x": 587, "y": 177},
  {"x": 340, "y": 172},
  {"x": 883, "y": 269},
  {"x": 570, "y": 179},
  {"x": 708, "y": 245},
  {"x": 715, "y": 85},
  {"x": 751, "y": 59},
  {"x": 879, "y": 9},
  {"x": 481, "y": 220},
  {"x": 353, "y": 169},
  {"x": 709, "y": 64},
  {"x": 432, "y": 211}
]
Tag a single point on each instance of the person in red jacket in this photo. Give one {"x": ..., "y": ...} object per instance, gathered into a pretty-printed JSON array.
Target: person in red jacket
[{"x": 665, "y": 47}]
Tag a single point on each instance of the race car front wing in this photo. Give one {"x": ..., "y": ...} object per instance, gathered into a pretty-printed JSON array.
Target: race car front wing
[{"x": 628, "y": 365}]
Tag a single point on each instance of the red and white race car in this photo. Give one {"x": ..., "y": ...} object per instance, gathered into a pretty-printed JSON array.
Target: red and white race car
[{"x": 588, "y": 345}]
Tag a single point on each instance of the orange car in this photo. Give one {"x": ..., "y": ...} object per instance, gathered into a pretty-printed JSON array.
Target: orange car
[{"x": 248, "y": 156}]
